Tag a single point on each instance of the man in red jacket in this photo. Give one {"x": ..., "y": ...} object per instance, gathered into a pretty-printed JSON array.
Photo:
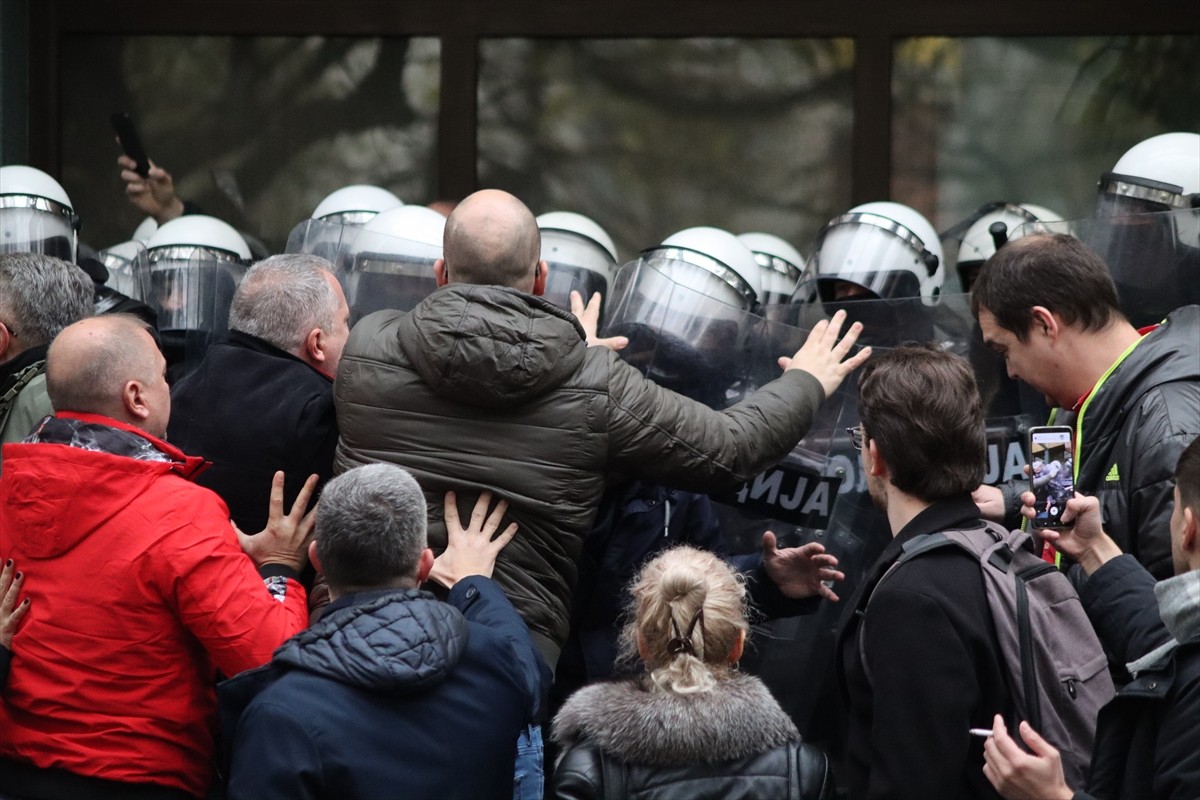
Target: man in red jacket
[{"x": 140, "y": 593}]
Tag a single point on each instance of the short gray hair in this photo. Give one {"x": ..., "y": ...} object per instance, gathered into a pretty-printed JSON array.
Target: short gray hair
[
  {"x": 40, "y": 295},
  {"x": 371, "y": 528},
  {"x": 284, "y": 297}
]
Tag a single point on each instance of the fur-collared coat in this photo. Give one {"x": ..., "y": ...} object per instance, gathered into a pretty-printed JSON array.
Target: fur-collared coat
[{"x": 629, "y": 740}]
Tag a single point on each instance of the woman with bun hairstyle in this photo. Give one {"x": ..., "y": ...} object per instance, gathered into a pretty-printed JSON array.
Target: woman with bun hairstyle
[{"x": 690, "y": 726}]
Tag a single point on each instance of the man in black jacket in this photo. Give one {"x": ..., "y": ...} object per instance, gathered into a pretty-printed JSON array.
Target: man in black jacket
[
  {"x": 921, "y": 661},
  {"x": 262, "y": 400},
  {"x": 1146, "y": 744},
  {"x": 1048, "y": 305},
  {"x": 393, "y": 693}
]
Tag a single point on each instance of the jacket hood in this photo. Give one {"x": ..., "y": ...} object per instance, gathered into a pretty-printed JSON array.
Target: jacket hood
[
  {"x": 639, "y": 725},
  {"x": 395, "y": 642},
  {"x": 491, "y": 346},
  {"x": 1165, "y": 355},
  {"x": 56, "y": 495}
]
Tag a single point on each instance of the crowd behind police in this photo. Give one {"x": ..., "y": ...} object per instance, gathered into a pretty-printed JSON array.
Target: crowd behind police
[{"x": 372, "y": 516}]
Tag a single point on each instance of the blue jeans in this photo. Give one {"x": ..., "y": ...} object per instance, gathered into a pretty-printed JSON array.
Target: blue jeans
[{"x": 530, "y": 774}]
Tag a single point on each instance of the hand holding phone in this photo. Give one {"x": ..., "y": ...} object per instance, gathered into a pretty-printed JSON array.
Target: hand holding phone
[
  {"x": 1051, "y": 474},
  {"x": 131, "y": 143}
]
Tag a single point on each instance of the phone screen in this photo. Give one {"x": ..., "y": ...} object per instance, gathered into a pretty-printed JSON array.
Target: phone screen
[{"x": 1051, "y": 474}]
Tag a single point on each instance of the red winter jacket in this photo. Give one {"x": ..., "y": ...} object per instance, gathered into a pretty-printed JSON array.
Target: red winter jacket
[{"x": 140, "y": 594}]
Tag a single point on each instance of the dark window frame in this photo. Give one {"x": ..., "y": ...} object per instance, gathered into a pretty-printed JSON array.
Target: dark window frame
[{"x": 462, "y": 23}]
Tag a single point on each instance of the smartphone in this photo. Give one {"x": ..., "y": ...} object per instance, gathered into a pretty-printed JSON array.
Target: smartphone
[
  {"x": 131, "y": 143},
  {"x": 1051, "y": 473}
]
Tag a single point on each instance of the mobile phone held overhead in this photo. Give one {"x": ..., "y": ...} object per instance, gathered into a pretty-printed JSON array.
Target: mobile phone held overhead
[{"x": 131, "y": 143}]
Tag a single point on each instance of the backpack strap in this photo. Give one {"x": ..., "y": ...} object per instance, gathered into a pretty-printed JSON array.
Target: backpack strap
[
  {"x": 967, "y": 541},
  {"x": 22, "y": 379}
]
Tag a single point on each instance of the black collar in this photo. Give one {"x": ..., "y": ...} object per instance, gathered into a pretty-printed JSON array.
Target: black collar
[{"x": 20, "y": 361}]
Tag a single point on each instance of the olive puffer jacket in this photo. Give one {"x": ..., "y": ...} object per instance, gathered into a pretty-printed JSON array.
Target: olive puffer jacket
[{"x": 487, "y": 388}]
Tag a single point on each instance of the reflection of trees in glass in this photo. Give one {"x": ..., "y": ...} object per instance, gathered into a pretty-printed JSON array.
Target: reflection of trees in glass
[
  {"x": 1030, "y": 119},
  {"x": 255, "y": 129},
  {"x": 651, "y": 136}
]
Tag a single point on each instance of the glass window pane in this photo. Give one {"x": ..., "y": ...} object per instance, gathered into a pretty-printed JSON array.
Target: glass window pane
[
  {"x": 255, "y": 130},
  {"x": 1034, "y": 120},
  {"x": 649, "y": 136}
]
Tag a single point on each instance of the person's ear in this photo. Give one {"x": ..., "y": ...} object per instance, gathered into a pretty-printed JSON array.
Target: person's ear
[
  {"x": 875, "y": 465},
  {"x": 439, "y": 272},
  {"x": 539, "y": 278},
  {"x": 313, "y": 558},
  {"x": 424, "y": 566},
  {"x": 135, "y": 400},
  {"x": 6, "y": 338},
  {"x": 1190, "y": 536},
  {"x": 314, "y": 347},
  {"x": 1045, "y": 322},
  {"x": 739, "y": 646},
  {"x": 642, "y": 648}
]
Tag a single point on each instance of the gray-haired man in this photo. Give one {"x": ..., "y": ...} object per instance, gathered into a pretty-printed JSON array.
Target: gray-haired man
[
  {"x": 393, "y": 693},
  {"x": 39, "y": 296},
  {"x": 262, "y": 400}
]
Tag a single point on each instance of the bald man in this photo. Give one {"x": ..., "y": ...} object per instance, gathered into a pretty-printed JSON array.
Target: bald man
[
  {"x": 485, "y": 386},
  {"x": 140, "y": 592}
]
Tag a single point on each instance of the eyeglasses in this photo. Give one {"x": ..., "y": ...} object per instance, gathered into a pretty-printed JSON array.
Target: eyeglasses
[{"x": 857, "y": 435}]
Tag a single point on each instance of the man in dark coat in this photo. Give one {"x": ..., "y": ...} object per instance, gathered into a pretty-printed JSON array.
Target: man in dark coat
[
  {"x": 485, "y": 385},
  {"x": 262, "y": 400},
  {"x": 1048, "y": 305},
  {"x": 920, "y": 657},
  {"x": 393, "y": 693},
  {"x": 1146, "y": 745}
]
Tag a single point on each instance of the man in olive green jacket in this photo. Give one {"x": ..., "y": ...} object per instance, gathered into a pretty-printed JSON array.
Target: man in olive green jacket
[{"x": 485, "y": 386}]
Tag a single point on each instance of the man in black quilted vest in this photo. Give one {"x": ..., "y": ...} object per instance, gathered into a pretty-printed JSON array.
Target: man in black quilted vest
[{"x": 920, "y": 659}]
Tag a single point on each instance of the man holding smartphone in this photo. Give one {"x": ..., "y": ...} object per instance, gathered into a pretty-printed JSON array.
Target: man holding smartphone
[{"x": 1048, "y": 305}]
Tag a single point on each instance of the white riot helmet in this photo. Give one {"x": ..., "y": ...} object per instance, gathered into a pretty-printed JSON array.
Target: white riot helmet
[
  {"x": 688, "y": 309},
  {"x": 356, "y": 204},
  {"x": 145, "y": 229},
  {"x": 886, "y": 248},
  {"x": 389, "y": 264},
  {"x": 580, "y": 254},
  {"x": 196, "y": 263},
  {"x": 1161, "y": 173},
  {"x": 781, "y": 265},
  {"x": 36, "y": 216},
  {"x": 128, "y": 269},
  {"x": 995, "y": 224}
]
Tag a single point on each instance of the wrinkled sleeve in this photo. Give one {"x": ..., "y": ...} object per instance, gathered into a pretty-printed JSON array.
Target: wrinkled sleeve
[
  {"x": 482, "y": 600},
  {"x": 274, "y": 758},
  {"x": 1177, "y": 757},
  {"x": 667, "y": 438},
  {"x": 222, "y": 600},
  {"x": 1119, "y": 600},
  {"x": 1151, "y": 493}
]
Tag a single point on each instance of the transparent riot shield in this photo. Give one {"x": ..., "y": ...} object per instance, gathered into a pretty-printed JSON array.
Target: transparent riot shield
[
  {"x": 686, "y": 329},
  {"x": 563, "y": 279},
  {"x": 1154, "y": 259},
  {"x": 329, "y": 240},
  {"x": 386, "y": 272},
  {"x": 128, "y": 269},
  {"x": 191, "y": 289},
  {"x": 37, "y": 225}
]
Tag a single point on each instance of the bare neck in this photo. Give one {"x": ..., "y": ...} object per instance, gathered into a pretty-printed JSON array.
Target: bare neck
[{"x": 1088, "y": 355}]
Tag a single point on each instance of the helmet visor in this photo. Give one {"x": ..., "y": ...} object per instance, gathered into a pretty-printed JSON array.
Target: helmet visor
[
  {"x": 1154, "y": 259},
  {"x": 34, "y": 230},
  {"x": 564, "y": 279},
  {"x": 191, "y": 288},
  {"x": 128, "y": 268}
]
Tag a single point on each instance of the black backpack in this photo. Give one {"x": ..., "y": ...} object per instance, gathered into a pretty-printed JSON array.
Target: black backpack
[{"x": 1055, "y": 666}]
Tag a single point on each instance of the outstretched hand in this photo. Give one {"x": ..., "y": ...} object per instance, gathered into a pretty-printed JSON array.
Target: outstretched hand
[
  {"x": 800, "y": 572},
  {"x": 153, "y": 195},
  {"x": 589, "y": 318},
  {"x": 11, "y": 611},
  {"x": 285, "y": 539},
  {"x": 1018, "y": 775},
  {"x": 822, "y": 353},
  {"x": 471, "y": 550}
]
